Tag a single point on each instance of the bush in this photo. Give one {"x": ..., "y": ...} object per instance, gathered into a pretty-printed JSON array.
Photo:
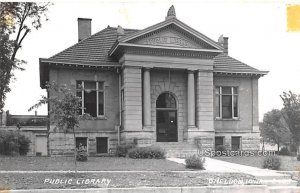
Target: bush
[
  {"x": 24, "y": 145},
  {"x": 272, "y": 163},
  {"x": 13, "y": 143},
  {"x": 152, "y": 152},
  {"x": 122, "y": 150},
  {"x": 221, "y": 150},
  {"x": 194, "y": 162},
  {"x": 298, "y": 157},
  {"x": 81, "y": 153},
  {"x": 284, "y": 151}
]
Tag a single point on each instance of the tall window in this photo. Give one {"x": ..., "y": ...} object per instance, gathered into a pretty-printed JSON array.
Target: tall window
[
  {"x": 92, "y": 95},
  {"x": 226, "y": 102}
]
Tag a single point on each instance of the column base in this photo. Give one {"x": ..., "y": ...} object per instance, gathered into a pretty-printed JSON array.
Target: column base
[
  {"x": 141, "y": 138},
  {"x": 203, "y": 139},
  {"x": 147, "y": 128}
]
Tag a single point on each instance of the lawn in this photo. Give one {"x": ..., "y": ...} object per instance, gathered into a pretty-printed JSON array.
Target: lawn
[
  {"x": 288, "y": 163},
  {"x": 94, "y": 163},
  {"x": 120, "y": 180},
  {"x": 124, "y": 172}
]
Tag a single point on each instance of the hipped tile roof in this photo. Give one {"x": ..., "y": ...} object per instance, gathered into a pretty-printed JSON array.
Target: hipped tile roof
[{"x": 94, "y": 51}]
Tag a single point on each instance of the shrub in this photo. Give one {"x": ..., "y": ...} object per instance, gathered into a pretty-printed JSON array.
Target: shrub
[
  {"x": 194, "y": 162},
  {"x": 298, "y": 157},
  {"x": 272, "y": 163},
  {"x": 13, "y": 143},
  {"x": 122, "y": 150},
  {"x": 81, "y": 153},
  {"x": 152, "y": 152},
  {"x": 24, "y": 145},
  {"x": 221, "y": 150},
  {"x": 284, "y": 151}
]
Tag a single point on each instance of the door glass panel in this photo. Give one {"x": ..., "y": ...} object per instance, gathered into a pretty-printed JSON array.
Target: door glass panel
[{"x": 166, "y": 100}]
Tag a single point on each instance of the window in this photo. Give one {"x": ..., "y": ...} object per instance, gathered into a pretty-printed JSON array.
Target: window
[
  {"x": 82, "y": 141},
  {"x": 102, "y": 145},
  {"x": 219, "y": 141},
  {"x": 235, "y": 143},
  {"x": 92, "y": 95},
  {"x": 226, "y": 102}
]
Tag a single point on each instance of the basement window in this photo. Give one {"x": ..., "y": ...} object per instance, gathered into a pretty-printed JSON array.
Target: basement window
[
  {"x": 235, "y": 143},
  {"x": 102, "y": 144},
  {"x": 219, "y": 141}
]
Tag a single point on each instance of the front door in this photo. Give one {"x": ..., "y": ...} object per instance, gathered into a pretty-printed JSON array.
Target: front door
[{"x": 166, "y": 118}]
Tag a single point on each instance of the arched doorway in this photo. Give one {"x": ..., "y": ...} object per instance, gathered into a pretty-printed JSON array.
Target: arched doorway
[{"x": 166, "y": 118}]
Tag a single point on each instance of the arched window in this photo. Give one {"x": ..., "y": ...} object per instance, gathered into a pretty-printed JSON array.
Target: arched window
[{"x": 166, "y": 100}]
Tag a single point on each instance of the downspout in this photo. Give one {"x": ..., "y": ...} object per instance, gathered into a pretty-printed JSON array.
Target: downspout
[{"x": 120, "y": 106}]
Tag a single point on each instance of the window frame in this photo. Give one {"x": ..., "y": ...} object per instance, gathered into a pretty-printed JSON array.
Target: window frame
[
  {"x": 240, "y": 143},
  {"x": 87, "y": 142},
  {"x": 223, "y": 140},
  {"x": 219, "y": 96},
  {"x": 82, "y": 89},
  {"x": 107, "y": 145}
]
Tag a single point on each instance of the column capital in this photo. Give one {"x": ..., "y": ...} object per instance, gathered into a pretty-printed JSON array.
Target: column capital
[
  {"x": 190, "y": 71},
  {"x": 199, "y": 70},
  {"x": 146, "y": 68}
]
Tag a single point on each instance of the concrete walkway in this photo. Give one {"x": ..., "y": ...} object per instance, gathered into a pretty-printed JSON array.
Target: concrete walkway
[{"x": 267, "y": 177}]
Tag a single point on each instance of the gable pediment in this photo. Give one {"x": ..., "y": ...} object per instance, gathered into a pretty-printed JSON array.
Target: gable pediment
[
  {"x": 172, "y": 33},
  {"x": 169, "y": 34},
  {"x": 171, "y": 38}
]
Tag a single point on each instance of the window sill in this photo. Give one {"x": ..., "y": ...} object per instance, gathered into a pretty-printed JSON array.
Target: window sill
[
  {"x": 98, "y": 118},
  {"x": 232, "y": 119},
  {"x": 101, "y": 118}
]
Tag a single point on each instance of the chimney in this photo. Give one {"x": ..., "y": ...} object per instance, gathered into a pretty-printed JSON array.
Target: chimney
[
  {"x": 84, "y": 28},
  {"x": 224, "y": 42},
  {"x": 120, "y": 32},
  {"x": 225, "y": 45}
]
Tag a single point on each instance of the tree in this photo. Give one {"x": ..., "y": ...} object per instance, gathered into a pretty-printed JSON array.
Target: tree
[
  {"x": 273, "y": 129},
  {"x": 17, "y": 19},
  {"x": 291, "y": 115},
  {"x": 64, "y": 110}
]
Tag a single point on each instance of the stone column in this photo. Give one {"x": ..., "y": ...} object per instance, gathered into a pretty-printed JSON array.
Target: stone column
[
  {"x": 146, "y": 98},
  {"x": 191, "y": 99},
  {"x": 205, "y": 101},
  {"x": 132, "y": 98}
]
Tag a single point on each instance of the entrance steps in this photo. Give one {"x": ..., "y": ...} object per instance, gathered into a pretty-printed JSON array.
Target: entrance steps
[{"x": 178, "y": 149}]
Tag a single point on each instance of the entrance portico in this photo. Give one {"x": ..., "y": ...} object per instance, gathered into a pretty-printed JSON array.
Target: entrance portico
[{"x": 168, "y": 57}]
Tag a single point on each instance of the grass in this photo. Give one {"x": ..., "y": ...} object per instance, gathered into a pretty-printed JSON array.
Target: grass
[
  {"x": 288, "y": 163},
  {"x": 94, "y": 163},
  {"x": 117, "y": 180}
]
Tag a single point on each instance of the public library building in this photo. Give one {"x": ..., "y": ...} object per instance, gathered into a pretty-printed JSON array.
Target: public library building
[{"x": 166, "y": 85}]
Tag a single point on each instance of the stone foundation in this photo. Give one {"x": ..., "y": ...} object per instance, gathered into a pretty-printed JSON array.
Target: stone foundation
[
  {"x": 141, "y": 138},
  {"x": 63, "y": 144},
  {"x": 203, "y": 139},
  {"x": 249, "y": 141}
]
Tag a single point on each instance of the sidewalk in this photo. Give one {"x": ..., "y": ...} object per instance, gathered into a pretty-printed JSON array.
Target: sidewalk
[{"x": 267, "y": 177}]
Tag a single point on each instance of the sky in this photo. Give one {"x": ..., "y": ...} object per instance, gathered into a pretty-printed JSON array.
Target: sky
[{"x": 257, "y": 32}]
